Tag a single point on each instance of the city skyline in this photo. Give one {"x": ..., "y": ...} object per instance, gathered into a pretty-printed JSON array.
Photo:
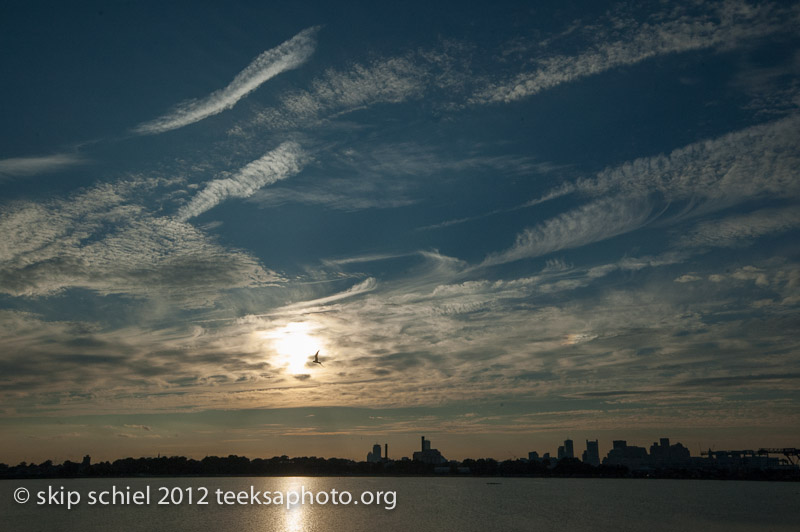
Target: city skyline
[
  {"x": 454, "y": 447},
  {"x": 663, "y": 455},
  {"x": 496, "y": 225}
]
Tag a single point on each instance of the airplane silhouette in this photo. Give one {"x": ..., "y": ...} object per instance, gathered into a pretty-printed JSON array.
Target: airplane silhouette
[{"x": 316, "y": 359}]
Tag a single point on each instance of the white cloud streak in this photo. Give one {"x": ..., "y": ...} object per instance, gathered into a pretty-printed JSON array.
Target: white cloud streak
[
  {"x": 367, "y": 285},
  {"x": 756, "y": 161},
  {"x": 593, "y": 222},
  {"x": 759, "y": 161},
  {"x": 28, "y": 166},
  {"x": 390, "y": 80},
  {"x": 727, "y": 25},
  {"x": 282, "y": 162},
  {"x": 287, "y": 56},
  {"x": 740, "y": 230}
]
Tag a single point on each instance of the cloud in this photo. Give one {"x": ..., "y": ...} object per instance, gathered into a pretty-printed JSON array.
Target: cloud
[
  {"x": 565, "y": 189},
  {"x": 761, "y": 160},
  {"x": 364, "y": 259},
  {"x": 67, "y": 364},
  {"x": 367, "y": 285},
  {"x": 359, "y": 195},
  {"x": 287, "y": 56},
  {"x": 280, "y": 163},
  {"x": 742, "y": 229},
  {"x": 433, "y": 337},
  {"x": 725, "y": 26},
  {"x": 103, "y": 240},
  {"x": 386, "y": 175},
  {"x": 756, "y": 162},
  {"x": 28, "y": 166},
  {"x": 338, "y": 92},
  {"x": 593, "y": 222}
]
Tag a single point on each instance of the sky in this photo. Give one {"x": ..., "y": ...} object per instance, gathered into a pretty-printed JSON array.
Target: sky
[{"x": 500, "y": 224}]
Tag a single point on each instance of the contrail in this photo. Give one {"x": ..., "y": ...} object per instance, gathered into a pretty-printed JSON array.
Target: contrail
[
  {"x": 287, "y": 56},
  {"x": 284, "y": 161}
]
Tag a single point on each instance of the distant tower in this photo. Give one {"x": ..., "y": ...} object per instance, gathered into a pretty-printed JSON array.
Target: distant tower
[
  {"x": 385, "y": 451},
  {"x": 592, "y": 454},
  {"x": 375, "y": 455},
  {"x": 86, "y": 464},
  {"x": 426, "y": 444},
  {"x": 568, "y": 450}
]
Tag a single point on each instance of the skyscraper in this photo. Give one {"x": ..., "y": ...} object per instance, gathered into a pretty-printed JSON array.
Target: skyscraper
[
  {"x": 591, "y": 455},
  {"x": 375, "y": 455},
  {"x": 568, "y": 449}
]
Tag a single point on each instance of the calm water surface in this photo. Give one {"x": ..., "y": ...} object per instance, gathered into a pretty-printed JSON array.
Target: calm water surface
[{"x": 422, "y": 504}]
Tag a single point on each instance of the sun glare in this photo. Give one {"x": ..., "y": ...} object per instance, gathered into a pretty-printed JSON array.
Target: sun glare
[{"x": 295, "y": 345}]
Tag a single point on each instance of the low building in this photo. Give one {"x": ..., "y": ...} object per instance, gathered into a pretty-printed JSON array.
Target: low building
[
  {"x": 664, "y": 455},
  {"x": 426, "y": 455},
  {"x": 630, "y": 456}
]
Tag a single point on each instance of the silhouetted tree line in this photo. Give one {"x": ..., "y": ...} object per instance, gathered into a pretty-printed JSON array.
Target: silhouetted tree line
[
  {"x": 212, "y": 466},
  {"x": 176, "y": 466}
]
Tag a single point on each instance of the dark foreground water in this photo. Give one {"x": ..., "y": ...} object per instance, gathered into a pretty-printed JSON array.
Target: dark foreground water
[{"x": 420, "y": 504}]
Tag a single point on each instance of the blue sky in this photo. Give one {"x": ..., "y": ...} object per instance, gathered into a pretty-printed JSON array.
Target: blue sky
[{"x": 501, "y": 225}]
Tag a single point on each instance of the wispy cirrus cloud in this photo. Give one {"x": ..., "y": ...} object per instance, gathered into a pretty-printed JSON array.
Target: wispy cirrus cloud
[
  {"x": 724, "y": 26},
  {"x": 102, "y": 239},
  {"x": 592, "y": 222},
  {"x": 287, "y": 56},
  {"x": 388, "y": 175},
  {"x": 742, "y": 229},
  {"x": 280, "y": 163},
  {"x": 338, "y": 92},
  {"x": 756, "y": 162},
  {"x": 367, "y": 285},
  {"x": 28, "y": 166}
]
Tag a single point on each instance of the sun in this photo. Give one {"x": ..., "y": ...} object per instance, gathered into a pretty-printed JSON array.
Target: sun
[{"x": 295, "y": 345}]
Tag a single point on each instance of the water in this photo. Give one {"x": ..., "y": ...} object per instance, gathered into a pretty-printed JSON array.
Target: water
[{"x": 421, "y": 504}]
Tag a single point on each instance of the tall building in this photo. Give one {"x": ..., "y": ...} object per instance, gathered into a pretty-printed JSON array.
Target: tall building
[
  {"x": 568, "y": 449},
  {"x": 375, "y": 455},
  {"x": 591, "y": 455}
]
